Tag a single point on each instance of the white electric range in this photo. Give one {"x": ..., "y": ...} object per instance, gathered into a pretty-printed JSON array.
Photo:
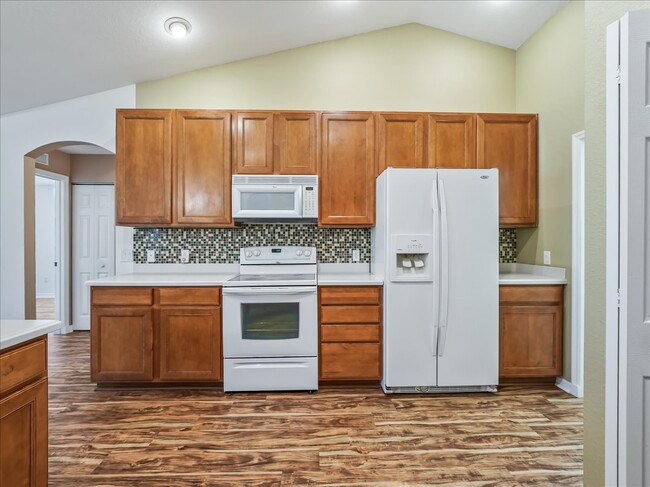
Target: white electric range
[{"x": 270, "y": 321}]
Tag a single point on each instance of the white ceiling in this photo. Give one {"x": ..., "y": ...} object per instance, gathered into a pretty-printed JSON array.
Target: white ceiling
[
  {"x": 57, "y": 50},
  {"x": 84, "y": 149}
]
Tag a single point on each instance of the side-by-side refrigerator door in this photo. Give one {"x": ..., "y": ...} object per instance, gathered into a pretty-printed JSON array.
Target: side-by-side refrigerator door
[
  {"x": 409, "y": 310},
  {"x": 468, "y": 340}
]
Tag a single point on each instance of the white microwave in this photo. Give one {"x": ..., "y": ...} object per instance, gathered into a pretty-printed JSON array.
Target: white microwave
[{"x": 273, "y": 198}]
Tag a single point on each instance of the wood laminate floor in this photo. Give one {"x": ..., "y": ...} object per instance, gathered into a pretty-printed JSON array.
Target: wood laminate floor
[
  {"x": 338, "y": 436},
  {"x": 45, "y": 309}
]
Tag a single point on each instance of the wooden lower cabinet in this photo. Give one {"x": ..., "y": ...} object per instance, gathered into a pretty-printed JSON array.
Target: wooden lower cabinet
[
  {"x": 121, "y": 343},
  {"x": 530, "y": 331},
  {"x": 175, "y": 339},
  {"x": 190, "y": 343},
  {"x": 23, "y": 415},
  {"x": 350, "y": 333}
]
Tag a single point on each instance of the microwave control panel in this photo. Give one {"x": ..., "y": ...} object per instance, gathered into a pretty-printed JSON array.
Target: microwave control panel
[{"x": 310, "y": 201}]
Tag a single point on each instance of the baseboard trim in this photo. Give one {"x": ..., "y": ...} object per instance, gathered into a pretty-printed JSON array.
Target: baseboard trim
[
  {"x": 569, "y": 387},
  {"x": 45, "y": 296}
]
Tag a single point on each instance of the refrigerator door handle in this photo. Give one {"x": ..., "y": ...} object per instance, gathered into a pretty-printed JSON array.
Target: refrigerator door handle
[
  {"x": 444, "y": 269},
  {"x": 436, "y": 260}
]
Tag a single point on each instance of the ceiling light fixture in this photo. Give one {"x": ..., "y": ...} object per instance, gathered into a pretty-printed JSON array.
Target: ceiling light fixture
[{"x": 177, "y": 27}]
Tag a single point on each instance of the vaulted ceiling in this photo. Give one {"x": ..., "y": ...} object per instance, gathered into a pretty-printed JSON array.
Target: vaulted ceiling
[{"x": 57, "y": 50}]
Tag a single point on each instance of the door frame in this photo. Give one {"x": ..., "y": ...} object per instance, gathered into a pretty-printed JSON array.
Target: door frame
[
  {"x": 62, "y": 230},
  {"x": 578, "y": 261}
]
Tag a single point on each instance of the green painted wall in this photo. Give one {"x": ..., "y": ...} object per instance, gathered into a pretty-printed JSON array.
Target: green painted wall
[
  {"x": 597, "y": 16},
  {"x": 550, "y": 81},
  {"x": 410, "y": 67}
]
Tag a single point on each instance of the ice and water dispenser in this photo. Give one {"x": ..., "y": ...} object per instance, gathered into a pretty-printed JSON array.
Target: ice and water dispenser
[{"x": 412, "y": 258}]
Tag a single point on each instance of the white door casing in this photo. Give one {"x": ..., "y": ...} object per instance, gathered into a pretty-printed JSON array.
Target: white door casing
[
  {"x": 93, "y": 248},
  {"x": 628, "y": 252}
]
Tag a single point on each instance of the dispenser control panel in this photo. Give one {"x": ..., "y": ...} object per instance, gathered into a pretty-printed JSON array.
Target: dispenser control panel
[{"x": 411, "y": 258}]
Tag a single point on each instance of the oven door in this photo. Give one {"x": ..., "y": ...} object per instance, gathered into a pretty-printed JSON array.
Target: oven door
[
  {"x": 270, "y": 322},
  {"x": 250, "y": 201}
]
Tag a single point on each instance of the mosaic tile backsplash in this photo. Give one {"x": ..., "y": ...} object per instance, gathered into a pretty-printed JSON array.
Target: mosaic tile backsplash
[{"x": 221, "y": 245}]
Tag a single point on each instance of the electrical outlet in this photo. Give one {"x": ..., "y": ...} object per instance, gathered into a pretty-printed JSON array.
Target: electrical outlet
[
  {"x": 126, "y": 255},
  {"x": 185, "y": 256},
  {"x": 356, "y": 255},
  {"x": 547, "y": 257},
  {"x": 151, "y": 256}
]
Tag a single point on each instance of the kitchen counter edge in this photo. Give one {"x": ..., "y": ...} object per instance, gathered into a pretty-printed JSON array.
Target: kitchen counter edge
[{"x": 15, "y": 332}]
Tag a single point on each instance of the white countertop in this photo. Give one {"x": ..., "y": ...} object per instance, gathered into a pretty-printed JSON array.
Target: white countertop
[
  {"x": 349, "y": 279},
  {"x": 14, "y": 332},
  {"x": 530, "y": 275},
  {"x": 163, "y": 279}
]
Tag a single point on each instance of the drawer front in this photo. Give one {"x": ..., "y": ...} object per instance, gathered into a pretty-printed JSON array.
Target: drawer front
[
  {"x": 193, "y": 296},
  {"x": 350, "y": 314},
  {"x": 350, "y": 295},
  {"x": 350, "y": 333},
  {"x": 122, "y": 296},
  {"x": 350, "y": 361},
  {"x": 530, "y": 294},
  {"x": 23, "y": 365}
]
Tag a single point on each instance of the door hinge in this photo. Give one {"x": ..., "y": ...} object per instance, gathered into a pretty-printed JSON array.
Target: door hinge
[
  {"x": 618, "y": 298},
  {"x": 618, "y": 74}
]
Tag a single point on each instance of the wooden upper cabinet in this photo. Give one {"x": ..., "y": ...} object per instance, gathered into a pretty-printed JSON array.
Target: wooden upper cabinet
[
  {"x": 400, "y": 140},
  {"x": 143, "y": 167},
  {"x": 296, "y": 143},
  {"x": 452, "y": 140},
  {"x": 202, "y": 167},
  {"x": 347, "y": 176},
  {"x": 508, "y": 142},
  {"x": 254, "y": 143}
]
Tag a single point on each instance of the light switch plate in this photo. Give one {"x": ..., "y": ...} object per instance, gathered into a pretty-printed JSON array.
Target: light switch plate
[
  {"x": 185, "y": 256},
  {"x": 151, "y": 256},
  {"x": 547, "y": 257},
  {"x": 356, "y": 255},
  {"x": 126, "y": 255}
]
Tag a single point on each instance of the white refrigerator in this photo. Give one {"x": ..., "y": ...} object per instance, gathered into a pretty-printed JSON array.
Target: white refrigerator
[{"x": 436, "y": 242}]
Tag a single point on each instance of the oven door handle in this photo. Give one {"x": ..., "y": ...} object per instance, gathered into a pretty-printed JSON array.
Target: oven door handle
[{"x": 247, "y": 291}]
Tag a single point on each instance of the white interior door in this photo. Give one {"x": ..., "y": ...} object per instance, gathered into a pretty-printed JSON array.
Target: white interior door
[
  {"x": 93, "y": 244},
  {"x": 635, "y": 245},
  {"x": 627, "y": 432}
]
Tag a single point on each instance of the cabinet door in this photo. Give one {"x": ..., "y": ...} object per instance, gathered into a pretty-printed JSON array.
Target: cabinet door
[
  {"x": 121, "y": 344},
  {"x": 347, "y": 182},
  {"x": 23, "y": 437},
  {"x": 143, "y": 167},
  {"x": 190, "y": 343},
  {"x": 254, "y": 143},
  {"x": 509, "y": 143},
  {"x": 296, "y": 143},
  {"x": 400, "y": 140},
  {"x": 530, "y": 341},
  {"x": 350, "y": 361},
  {"x": 452, "y": 140},
  {"x": 202, "y": 167}
]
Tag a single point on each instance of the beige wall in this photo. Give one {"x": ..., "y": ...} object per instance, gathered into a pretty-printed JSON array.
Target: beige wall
[
  {"x": 92, "y": 168},
  {"x": 58, "y": 162},
  {"x": 411, "y": 67},
  {"x": 597, "y": 16},
  {"x": 550, "y": 81}
]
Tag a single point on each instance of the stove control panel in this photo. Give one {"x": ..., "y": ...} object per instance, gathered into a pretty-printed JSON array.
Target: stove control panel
[{"x": 277, "y": 255}]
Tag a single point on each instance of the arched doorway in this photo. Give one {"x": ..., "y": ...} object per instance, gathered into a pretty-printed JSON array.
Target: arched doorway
[{"x": 76, "y": 170}]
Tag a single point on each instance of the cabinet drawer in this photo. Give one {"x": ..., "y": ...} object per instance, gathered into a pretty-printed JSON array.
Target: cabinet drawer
[
  {"x": 350, "y": 333},
  {"x": 193, "y": 296},
  {"x": 23, "y": 365},
  {"x": 530, "y": 294},
  {"x": 122, "y": 296},
  {"x": 350, "y": 314},
  {"x": 350, "y": 361},
  {"x": 350, "y": 295}
]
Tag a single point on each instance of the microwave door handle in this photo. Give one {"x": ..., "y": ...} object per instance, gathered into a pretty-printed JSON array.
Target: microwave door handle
[{"x": 268, "y": 291}]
